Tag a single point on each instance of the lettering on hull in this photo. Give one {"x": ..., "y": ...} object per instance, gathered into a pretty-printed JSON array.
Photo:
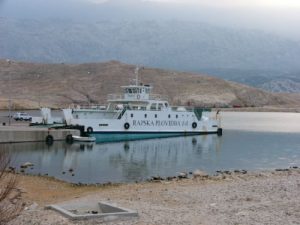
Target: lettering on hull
[{"x": 159, "y": 123}]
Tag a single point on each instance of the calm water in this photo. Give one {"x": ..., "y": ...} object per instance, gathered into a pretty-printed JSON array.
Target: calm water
[{"x": 251, "y": 141}]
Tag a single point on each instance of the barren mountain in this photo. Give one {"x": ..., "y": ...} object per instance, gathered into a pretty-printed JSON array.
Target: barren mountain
[
  {"x": 32, "y": 85},
  {"x": 179, "y": 45},
  {"x": 252, "y": 57}
]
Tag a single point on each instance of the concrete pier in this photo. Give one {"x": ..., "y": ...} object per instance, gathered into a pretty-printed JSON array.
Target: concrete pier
[{"x": 15, "y": 134}]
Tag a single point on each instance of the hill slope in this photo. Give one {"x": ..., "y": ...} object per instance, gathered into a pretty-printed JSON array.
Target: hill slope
[
  {"x": 180, "y": 45},
  {"x": 59, "y": 85}
]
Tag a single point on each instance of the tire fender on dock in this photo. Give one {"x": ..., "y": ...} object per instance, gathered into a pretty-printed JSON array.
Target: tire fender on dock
[
  {"x": 69, "y": 138},
  {"x": 220, "y": 132},
  {"x": 49, "y": 139},
  {"x": 89, "y": 130}
]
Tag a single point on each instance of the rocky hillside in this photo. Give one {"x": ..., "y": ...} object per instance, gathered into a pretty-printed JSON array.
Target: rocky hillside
[
  {"x": 59, "y": 85},
  {"x": 251, "y": 57},
  {"x": 180, "y": 45},
  {"x": 269, "y": 80}
]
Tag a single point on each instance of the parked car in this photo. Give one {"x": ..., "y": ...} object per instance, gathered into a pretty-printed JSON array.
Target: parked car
[{"x": 22, "y": 116}]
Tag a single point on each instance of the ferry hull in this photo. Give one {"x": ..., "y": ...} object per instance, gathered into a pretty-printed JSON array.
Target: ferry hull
[{"x": 130, "y": 136}]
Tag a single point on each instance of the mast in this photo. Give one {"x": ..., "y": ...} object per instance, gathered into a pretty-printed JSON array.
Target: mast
[{"x": 136, "y": 71}]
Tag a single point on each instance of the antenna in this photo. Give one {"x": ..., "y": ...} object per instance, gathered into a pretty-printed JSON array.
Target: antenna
[{"x": 136, "y": 71}]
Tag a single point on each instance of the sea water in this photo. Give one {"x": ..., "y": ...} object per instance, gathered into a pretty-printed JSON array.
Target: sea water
[{"x": 250, "y": 141}]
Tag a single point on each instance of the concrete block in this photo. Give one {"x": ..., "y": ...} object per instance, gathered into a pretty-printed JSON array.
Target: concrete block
[{"x": 101, "y": 210}]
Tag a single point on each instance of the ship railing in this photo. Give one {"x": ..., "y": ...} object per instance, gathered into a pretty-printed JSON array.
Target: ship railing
[
  {"x": 182, "y": 108},
  {"x": 197, "y": 110},
  {"x": 156, "y": 97},
  {"x": 90, "y": 106},
  {"x": 190, "y": 108},
  {"x": 121, "y": 97},
  {"x": 114, "y": 97}
]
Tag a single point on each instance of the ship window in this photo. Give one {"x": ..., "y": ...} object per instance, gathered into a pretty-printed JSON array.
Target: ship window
[
  {"x": 155, "y": 115},
  {"x": 131, "y": 115},
  {"x": 166, "y": 104},
  {"x": 176, "y": 116},
  {"x": 169, "y": 116},
  {"x": 160, "y": 106},
  {"x": 153, "y": 106},
  {"x": 145, "y": 115}
]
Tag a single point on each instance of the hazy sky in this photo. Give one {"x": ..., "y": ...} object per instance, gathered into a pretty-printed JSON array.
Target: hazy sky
[
  {"x": 268, "y": 4},
  {"x": 278, "y": 16},
  {"x": 233, "y": 3}
]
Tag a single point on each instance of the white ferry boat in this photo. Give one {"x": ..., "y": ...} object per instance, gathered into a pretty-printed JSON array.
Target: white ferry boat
[{"x": 137, "y": 114}]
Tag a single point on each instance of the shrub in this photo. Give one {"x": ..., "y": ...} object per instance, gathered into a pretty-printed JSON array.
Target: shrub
[{"x": 10, "y": 197}]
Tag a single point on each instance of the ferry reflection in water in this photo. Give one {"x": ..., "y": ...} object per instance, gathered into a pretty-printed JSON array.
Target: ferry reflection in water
[
  {"x": 115, "y": 162},
  {"x": 138, "y": 160}
]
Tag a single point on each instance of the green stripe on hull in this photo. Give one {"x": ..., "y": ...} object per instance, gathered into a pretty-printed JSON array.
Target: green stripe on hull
[{"x": 111, "y": 137}]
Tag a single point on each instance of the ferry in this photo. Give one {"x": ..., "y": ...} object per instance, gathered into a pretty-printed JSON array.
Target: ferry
[{"x": 139, "y": 114}]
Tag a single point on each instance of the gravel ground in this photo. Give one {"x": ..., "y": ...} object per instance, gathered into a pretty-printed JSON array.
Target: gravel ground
[{"x": 256, "y": 198}]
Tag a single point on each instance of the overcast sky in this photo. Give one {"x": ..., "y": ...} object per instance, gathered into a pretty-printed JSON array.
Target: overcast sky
[
  {"x": 232, "y": 3},
  {"x": 278, "y": 16}
]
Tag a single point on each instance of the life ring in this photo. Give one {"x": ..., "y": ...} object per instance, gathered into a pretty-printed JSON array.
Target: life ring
[
  {"x": 138, "y": 96},
  {"x": 194, "y": 125},
  {"x": 126, "y": 126},
  {"x": 89, "y": 130},
  {"x": 49, "y": 139},
  {"x": 69, "y": 138}
]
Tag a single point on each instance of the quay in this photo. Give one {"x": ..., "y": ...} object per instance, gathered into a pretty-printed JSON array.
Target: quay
[{"x": 15, "y": 134}]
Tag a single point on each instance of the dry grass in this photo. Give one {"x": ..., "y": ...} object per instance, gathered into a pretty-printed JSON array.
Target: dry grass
[{"x": 10, "y": 197}]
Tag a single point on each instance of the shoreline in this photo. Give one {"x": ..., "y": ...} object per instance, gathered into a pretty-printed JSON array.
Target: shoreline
[
  {"x": 181, "y": 176},
  {"x": 261, "y": 197}
]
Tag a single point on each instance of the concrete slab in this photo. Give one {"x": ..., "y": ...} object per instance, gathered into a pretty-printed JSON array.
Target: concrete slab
[
  {"x": 93, "y": 210},
  {"x": 15, "y": 134}
]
